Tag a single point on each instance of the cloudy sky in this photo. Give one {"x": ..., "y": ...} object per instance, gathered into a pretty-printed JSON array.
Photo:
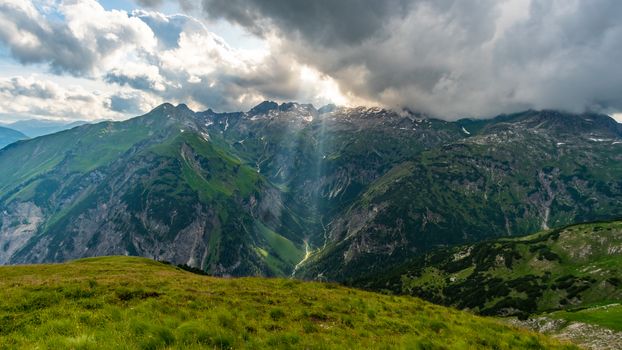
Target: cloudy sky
[{"x": 112, "y": 59}]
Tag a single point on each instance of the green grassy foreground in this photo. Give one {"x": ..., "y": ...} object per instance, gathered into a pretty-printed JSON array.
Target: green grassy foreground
[{"x": 136, "y": 303}]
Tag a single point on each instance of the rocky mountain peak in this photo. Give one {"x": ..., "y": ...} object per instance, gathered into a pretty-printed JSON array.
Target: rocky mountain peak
[
  {"x": 327, "y": 108},
  {"x": 263, "y": 107}
]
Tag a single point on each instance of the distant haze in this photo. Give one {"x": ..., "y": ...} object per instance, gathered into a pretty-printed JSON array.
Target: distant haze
[{"x": 39, "y": 127}]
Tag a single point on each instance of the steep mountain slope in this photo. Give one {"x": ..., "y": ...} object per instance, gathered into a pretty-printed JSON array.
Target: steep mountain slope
[
  {"x": 510, "y": 176},
  {"x": 324, "y": 159},
  {"x": 359, "y": 189},
  {"x": 8, "y": 136},
  {"x": 121, "y": 302},
  {"x": 153, "y": 186},
  {"x": 570, "y": 268}
]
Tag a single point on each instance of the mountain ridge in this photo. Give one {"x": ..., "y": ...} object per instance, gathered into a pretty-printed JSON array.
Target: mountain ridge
[
  {"x": 288, "y": 175},
  {"x": 8, "y": 136},
  {"x": 490, "y": 184},
  {"x": 39, "y": 127}
]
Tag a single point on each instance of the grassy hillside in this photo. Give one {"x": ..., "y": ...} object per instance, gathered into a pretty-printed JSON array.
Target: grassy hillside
[
  {"x": 577, "y": 269},
  {"x": 136, "y": 303}
]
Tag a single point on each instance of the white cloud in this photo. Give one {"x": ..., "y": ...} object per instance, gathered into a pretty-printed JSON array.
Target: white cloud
[
  {"x": 114, "y": 37},
  {"x": 36, "y": 97},
  {"x": 445, "y": 57},
  {"x": 77, "y": 37},
  {"x": 145, "y": 57}
]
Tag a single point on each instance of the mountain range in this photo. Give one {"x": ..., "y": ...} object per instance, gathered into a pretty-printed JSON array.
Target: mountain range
[
  {"x": 509, "y": 176},
  {"x": 518, "y": 215},
  {"x": 8, "y": 136},
  {"x": 332, "y": 193},
  {"x": 40, "y": 127}
]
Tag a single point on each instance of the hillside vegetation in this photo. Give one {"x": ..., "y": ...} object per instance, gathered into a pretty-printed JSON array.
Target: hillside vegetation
[
  {"x": 478, "y": 188},
  {"x": 153, "y": 186},
  {"x": 576, "y": 269},
  {"x": 130, "y": 303}
]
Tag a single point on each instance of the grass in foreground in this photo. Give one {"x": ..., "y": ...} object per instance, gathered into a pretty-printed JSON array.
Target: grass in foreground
[{"x": 135, "y": 303}]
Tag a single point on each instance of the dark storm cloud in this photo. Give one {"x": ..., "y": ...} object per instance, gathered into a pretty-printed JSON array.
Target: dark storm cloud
[
  {"x": 125, "y": 103},
  {"x": 570, "y": 54},
  {"x": 139, "y": 82},
  {"x": 448, "y": 57},
  {"x": 149, "y": 3},
  {"x": 326, "y": 22}
]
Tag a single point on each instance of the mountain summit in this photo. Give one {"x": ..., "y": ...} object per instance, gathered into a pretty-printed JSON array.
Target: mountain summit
[{"x": 8, "y": 136}]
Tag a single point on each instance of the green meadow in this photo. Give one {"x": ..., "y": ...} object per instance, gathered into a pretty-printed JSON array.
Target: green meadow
[{"x": 137, "y": 303}]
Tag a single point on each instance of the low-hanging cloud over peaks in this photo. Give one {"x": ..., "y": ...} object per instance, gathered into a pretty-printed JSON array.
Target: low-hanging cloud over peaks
[
  {"x": 446, "y": 58},
  {"x": 450, "y": 57}
]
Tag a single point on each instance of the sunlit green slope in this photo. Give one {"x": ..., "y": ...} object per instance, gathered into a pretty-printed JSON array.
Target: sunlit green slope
[{"x": 136, "y": 303}]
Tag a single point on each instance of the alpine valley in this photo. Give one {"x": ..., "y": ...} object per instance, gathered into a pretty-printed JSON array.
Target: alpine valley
[{"x": 387, "y": 200}]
